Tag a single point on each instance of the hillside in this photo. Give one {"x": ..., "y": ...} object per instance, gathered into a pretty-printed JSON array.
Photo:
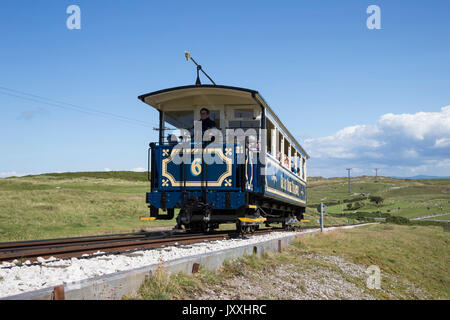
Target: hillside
[
  {"x": 72, "y": 204},
  {"x": 82, "y": 203},
  {"x": 401, "y": 197}
]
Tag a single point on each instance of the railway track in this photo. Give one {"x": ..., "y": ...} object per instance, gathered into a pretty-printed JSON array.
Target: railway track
[
  {"x": 77, "y": 247},
  {"x": 112, "y": 244}
]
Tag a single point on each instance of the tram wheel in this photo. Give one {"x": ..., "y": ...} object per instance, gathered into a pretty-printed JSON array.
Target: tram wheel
[{"x": 240, "y": 227}]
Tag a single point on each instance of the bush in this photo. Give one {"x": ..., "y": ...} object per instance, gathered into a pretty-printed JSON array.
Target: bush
[
  {"x": 364, "y": 216},
  {"x": 357, "y": 206},
  {"x": 376, "y": 199},
  {"x": 430, "y": 223},
  {"x": 398, "y": 220}
]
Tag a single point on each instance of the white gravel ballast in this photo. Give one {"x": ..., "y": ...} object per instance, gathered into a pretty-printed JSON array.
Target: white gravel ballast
[{"x": 17, "y": 279}]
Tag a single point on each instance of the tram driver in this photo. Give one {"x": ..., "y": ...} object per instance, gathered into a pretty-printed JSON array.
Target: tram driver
[{"x": 207, "y": 123}]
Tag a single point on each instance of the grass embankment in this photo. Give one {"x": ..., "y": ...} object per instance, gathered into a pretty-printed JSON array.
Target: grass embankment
[
  {"x": 73, "y": 204},
  {"x": 413, "y": 261}
]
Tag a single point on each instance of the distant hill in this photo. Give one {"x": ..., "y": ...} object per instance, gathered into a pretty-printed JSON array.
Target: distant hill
[
  {"x": 143, "y": 176},
  {"x": 421, "y": 177},
  {"x": 123, "y": 175}
]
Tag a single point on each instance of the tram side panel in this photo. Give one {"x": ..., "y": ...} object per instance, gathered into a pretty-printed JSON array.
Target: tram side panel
[{"x": 283, "y": 185}]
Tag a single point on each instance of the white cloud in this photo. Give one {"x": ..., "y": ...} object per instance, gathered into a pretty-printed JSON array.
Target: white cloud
[
  {"x": 139, "y": 169},
  {"x": 442, "y": 143},
  {"x": 107, "y": 169},
  {"x": 8, "y": 174},
  {"x": 418, "y": 126},
  {"x": 407, "y": 143}
]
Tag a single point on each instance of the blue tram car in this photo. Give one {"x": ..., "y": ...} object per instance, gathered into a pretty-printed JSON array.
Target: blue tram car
[{"x": 254, "y": 177}]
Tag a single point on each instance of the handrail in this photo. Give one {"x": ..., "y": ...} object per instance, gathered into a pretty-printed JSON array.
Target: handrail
[{"x": 148, "y": 164}]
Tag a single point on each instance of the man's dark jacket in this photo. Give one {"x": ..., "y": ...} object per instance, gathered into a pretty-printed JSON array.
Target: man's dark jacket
[{"x": 207, "y": 124}]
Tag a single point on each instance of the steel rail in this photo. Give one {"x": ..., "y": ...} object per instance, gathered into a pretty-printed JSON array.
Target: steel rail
[
  {"x": 76, "y": 247},
  {"x": 79, "y": 248},
  {"x": 47, "y": 242}
]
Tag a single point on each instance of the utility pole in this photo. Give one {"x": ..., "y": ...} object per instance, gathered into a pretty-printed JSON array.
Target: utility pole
[
  {"x": 376, "y": 174},
  {"x": 349, "y": 188}
]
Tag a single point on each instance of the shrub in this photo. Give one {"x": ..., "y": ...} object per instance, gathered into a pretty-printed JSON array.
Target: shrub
[
  {"x": 376, "y": 199},
  {"x": 359, "y": 198},
  {"x": 430, "y": 223},
  {"x": 357, "y": 205},
  {"x": 398, "y": 220}
]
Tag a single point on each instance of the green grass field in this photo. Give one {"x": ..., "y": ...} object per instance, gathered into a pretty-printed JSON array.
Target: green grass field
[
  {"x": 405, "y": 198},
  {"x": 73, "y": 204},
  {"x": 86, "y": 203}
]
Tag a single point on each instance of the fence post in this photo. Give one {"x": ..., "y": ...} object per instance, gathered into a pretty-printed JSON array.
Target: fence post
[
  {"x": 195, "y": 267},
  {"x": 58, "y": 293}
]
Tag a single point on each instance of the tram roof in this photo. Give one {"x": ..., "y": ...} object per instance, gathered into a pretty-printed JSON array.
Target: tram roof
[{"x": 209, "y": 95}]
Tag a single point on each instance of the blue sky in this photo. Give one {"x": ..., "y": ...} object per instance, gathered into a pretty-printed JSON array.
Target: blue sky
[{"x": 353, "y": 97}]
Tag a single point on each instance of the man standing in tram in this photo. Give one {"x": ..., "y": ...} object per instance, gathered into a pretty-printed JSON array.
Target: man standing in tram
[{"x": 207, "y": 123}]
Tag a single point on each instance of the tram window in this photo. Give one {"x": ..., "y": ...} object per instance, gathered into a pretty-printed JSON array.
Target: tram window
[
  {"x": 180, "y": 119},
  {"x": 270, "y": 138},
  {"x": 214, "y": 115},
  {"x": 243, "y": 114},
  {"x": 303, "y": 168},
  {"x": 286, "y": 153},
  {"x": 291, "y": 159},
  {"x": 243, "y": 124},
  {"x": 280, "y": 140}
]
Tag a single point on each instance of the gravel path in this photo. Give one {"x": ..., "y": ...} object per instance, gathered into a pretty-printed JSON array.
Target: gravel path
[
  {"x": 315, "y": 277},
  {"x": 430, "y": 216},
  {"x": 287, "y": 282}
]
